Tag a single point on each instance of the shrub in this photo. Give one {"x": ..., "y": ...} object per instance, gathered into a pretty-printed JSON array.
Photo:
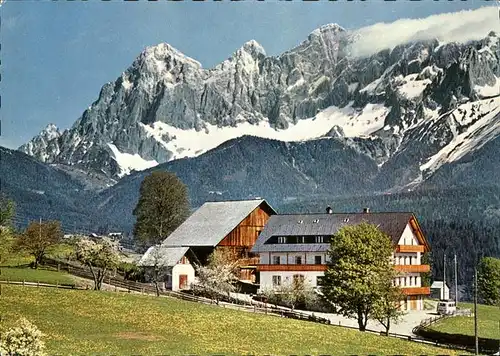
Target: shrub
[{"x": 22, "y": 340}]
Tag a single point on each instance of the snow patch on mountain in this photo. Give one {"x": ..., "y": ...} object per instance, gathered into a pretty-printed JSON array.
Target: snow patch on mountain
[
  {"x": 411, "y": 87},
  {"x": 484, "y": 120},
  {"x": 488, "y": 90},
  {"x": 128, "y": 162},
  {"x": 191, "y": 143}
]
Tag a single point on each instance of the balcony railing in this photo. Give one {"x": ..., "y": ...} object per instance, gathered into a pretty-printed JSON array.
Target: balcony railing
[
  {"x": 413, "y": 268},
  {"x": 276, "y": 268},
  {"x": 250, "y": 261},
  {"x": 409, "y": 248},
  {"x": 416, "y": 290}
]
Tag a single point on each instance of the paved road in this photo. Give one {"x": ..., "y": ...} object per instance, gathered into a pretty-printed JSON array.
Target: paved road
[{"x": 411, "y": 318}]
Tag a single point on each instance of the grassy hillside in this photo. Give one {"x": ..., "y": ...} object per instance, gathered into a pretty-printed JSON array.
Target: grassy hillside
[
  {"x": 88, "y": 322},
  {"x": 16, "y": 268},
  {"x": 488, "y": 322}
]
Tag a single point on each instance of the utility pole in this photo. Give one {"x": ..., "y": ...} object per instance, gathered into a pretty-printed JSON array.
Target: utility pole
[
  {"x": 444, "y": 276},
  {"x": 456, "y": 281},
  {"x": 475, "y": 311}
]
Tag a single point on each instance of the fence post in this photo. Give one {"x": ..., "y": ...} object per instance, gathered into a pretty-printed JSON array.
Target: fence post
[
  {"x": 38, "y": 284},
  {"x": 23, "y": 282}
]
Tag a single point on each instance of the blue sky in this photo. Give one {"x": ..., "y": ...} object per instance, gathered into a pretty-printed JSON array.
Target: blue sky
[{"x": 55, "y": 56}]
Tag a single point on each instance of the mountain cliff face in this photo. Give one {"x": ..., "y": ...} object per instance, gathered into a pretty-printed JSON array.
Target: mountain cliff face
[{"x": 410, "y": 109}]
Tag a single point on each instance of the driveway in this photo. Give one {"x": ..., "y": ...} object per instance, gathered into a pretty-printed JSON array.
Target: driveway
[{"x": 405, "y": 326}]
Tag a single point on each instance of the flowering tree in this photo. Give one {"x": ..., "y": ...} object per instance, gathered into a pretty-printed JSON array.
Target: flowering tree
[
  {"x": 98, "y": 256},
  {"x": 155, "y": 263},
  {"x": 22, "y": 340},
  {"x": 219, "y": 276}
]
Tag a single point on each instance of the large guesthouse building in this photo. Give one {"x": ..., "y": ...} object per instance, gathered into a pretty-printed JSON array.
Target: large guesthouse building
[{"x": 295, "y": 246}]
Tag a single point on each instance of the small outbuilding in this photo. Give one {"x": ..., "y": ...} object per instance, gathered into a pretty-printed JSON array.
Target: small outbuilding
[
  {"x": 438, "y": 292},
  {"x": 177, "y": 270}
]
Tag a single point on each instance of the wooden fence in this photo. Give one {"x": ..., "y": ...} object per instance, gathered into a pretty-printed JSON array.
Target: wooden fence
[{"x": 122, "y": 285}]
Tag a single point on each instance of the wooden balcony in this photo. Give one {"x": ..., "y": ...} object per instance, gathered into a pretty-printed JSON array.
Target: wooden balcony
[
  {"x": 413, "y": 268},
  {"x": 416, "y": 290},
  {"x": 410, "y": 248},
  {"x": 292, "y": 268},
  {"x": 246, "y": 262}
]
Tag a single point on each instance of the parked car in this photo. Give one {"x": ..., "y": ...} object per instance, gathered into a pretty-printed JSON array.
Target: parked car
[{"x": 446, "y": 307}]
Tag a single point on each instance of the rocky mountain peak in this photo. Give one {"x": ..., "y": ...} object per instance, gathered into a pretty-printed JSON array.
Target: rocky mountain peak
[
  {"x": 328, "y": 29},
  {"x": 51, "y": 131},
  {"x": 253, "y": 48}
]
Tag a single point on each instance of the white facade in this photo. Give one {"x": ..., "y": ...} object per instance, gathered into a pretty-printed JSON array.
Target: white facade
[
  {"x": 267, "y": 279},
  {"x": 272, "y": 279},
  {"x": 178, "y": 272}
]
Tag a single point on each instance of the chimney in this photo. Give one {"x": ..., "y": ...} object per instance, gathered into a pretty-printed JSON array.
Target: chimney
[
  {"x": 366, "y": 210},
  {"x": 329, "y": 210}
]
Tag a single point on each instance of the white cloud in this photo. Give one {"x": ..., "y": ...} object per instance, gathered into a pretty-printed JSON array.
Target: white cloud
[{"x": 460, "y": 27}]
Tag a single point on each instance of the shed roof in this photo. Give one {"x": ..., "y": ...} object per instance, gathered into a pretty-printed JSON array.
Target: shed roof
[
  {"x": 393, "y": 224},
  {"x": 438, "y": 284},
  {"x": 167, "y": 256},
  {"x": 208, "y": 225}
]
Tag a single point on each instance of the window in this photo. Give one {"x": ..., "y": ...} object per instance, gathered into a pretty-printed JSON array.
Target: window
[
  {"x": 411, "y": 260},
  {"x": 319, "y": 280},
  {"x": 281, "y": 239},
  {"x": 276, "y": 260},
  {"x": 298, "y": 260},
  {"x": 276, "y": 280},
  {"x": 319, "y": 239},
  {"x": 298, "y": 278},
  {"x": 317, "y": 260},
  {"x": 300, "y": 239}
]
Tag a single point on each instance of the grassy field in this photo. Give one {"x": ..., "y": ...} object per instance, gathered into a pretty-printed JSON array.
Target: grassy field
[
  {"x": 488, "y": 322},
  {"x": 41, "y": 275},
  {"x": 16, "y": 268},
  {"x": 89, "y": 322}
]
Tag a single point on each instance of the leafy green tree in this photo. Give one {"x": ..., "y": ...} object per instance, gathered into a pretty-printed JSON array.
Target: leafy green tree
[
  {"x": 489, "y": 280},
  {"x": 38, "y": 238},
  {"x": 360, "y": 260},
  {"x": 163, "y": 205},
  {"x": 387, "y": 310},
  {"x": 426, "y": 277}
]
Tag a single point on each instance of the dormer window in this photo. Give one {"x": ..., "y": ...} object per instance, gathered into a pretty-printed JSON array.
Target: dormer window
[
  {"x": 282, "y": 239},
  {"x": 319, "y": 239}
]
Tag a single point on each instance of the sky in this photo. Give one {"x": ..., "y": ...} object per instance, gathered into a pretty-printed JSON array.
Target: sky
[{"x": 56, "y": 55}]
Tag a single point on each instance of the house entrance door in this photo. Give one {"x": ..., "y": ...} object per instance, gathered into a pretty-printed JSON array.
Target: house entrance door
[{"x": 183, "y": 281}]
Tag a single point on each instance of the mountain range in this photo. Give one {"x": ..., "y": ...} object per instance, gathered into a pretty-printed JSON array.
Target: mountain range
[{"x": 316, "y": 121}]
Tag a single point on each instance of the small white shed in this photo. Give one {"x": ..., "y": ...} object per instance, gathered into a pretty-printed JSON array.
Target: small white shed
[
  {"x": 437, "y": 291},
  {"x": 178, "y": 271}
]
